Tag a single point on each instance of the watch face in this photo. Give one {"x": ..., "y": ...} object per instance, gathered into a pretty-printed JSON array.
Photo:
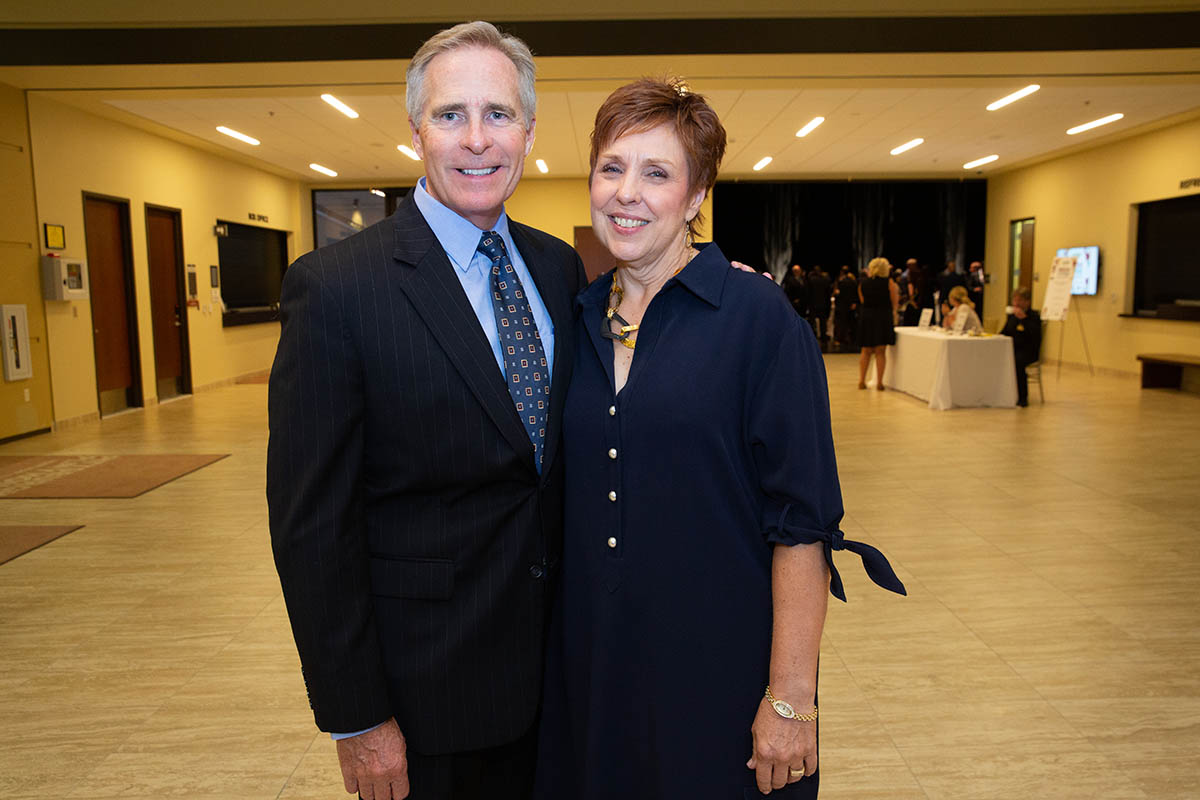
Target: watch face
[{"x": 784, "y": 709}]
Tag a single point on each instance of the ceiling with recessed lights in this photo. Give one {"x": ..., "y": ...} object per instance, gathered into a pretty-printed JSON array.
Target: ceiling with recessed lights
[{"x": 862, "y": 126}]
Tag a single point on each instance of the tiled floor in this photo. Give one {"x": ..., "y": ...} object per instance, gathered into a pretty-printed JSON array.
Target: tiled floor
[{"x": 1049, "y": 648}]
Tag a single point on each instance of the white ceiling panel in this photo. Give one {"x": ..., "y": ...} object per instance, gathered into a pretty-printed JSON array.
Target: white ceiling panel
[{"x": 865, "y": 118}]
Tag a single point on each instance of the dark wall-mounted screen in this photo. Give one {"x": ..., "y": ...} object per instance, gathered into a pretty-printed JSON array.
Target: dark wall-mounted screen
[
  {"x": 252, "y": 262},
  {"x": 1167, "y": 277}
]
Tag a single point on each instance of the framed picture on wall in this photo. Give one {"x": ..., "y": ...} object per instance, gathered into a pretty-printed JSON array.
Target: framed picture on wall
[{"x": 56, "y": 236}]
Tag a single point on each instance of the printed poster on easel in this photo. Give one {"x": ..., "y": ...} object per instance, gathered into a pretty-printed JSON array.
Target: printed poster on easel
[{"x": 1058, "y": 291}]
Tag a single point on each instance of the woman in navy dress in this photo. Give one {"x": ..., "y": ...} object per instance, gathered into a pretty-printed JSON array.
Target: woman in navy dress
[{"x": 702, "y": 498}]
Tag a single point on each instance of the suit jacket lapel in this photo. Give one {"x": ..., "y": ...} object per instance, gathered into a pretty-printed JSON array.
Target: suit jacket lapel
[
  {"x": 437, "y": 295},
  {"x": 551, "y": 285}
]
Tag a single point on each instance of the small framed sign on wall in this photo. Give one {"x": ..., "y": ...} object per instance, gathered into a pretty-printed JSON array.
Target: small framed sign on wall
[{"x": 56, "y": 236}]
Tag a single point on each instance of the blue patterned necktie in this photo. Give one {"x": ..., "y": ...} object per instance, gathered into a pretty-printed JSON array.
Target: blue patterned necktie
[{"x": 520, "y": 343}]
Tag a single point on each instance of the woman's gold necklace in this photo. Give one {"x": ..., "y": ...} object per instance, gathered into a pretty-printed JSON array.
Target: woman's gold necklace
[{"x": 624, "y": 328}]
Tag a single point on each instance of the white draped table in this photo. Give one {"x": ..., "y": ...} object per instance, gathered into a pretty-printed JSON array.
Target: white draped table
[{"x": 952, "y": 371}]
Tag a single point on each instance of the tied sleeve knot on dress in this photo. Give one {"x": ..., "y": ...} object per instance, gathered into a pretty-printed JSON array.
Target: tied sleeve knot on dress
[{"x": 781, "y": 529}]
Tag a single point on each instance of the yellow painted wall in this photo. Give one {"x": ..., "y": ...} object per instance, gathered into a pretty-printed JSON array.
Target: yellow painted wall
[
  {"x": 20, "y": 282},
  {"x": 1087, "y": 198},
  {"x": 76, "y": 152}
]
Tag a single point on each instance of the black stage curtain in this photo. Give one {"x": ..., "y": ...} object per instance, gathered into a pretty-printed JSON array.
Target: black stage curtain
[{"x": 774, "y": 225}]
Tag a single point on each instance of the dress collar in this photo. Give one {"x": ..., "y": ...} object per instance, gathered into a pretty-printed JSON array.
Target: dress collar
[{"x": 704, "y": 276}]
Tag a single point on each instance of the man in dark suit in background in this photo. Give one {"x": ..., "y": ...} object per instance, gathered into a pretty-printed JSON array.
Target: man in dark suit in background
[
  {"x": 413, "y": 473},
  {"x": 947, "y": 280},
  {"x": 845, "y": 310},
  {"x": 1025, "y": 327},
  {"x": 795, "y": 289},
  {"x": 820, "y": 293},
  {"x": 976, "y": 281}
]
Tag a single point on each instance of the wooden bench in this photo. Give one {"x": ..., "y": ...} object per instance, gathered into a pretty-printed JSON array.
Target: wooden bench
[{"x": 1165, "y": 370}]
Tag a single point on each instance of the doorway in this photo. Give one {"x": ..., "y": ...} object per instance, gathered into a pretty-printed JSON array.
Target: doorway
[
  {"x": 164, "y": 249},
  {"x": 114, "y": 324},
  {"x": 1020, "y": 254},
  {"x": 595, "y": 256}
]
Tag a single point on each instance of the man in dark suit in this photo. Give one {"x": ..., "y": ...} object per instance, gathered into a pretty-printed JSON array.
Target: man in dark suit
[
  {"x": 413, "y": 473},
  {"x": 947, "y": 280},
  {"x": 820, "y": 294},
  {"x": 794, "y": 288},
  {"x": 845, "y": 310},
  {"x": 976, "y": 282},
  {"x": 1024, "y": 325}
]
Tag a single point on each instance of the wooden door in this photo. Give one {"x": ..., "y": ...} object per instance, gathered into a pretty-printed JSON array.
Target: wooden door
[
  {"x": 114, "y": 326},
  {"x": 596, "y": 258},
  {"x": 164, "y": 249},
  {"x": 1021, "y": 254}
]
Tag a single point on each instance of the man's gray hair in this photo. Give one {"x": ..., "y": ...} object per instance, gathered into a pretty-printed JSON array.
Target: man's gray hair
[{"x": 471, "y": 34}]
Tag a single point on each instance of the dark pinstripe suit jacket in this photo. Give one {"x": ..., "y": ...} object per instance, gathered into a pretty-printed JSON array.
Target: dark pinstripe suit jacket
[{"x": 412, "y": 533}]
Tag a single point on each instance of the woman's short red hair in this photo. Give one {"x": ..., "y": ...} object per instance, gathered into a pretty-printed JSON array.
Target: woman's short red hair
[{"x": 647, "y": 103}]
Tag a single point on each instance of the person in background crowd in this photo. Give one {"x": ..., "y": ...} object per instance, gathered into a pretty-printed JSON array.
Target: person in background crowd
[
  {"x": 820, "y": 289},
  {"x": 923, "y": 287},
  {"x": 975, "y": 284},
  {"x": 845, "y": 310},
  {"x": 947, "y": 280},
  {"x": 880, "y": 298},
  {"x": 795, "y": 290},
  {"x": 1024, "y": 325},
  {"x": 907, "y": 298},
  {"x": 959, "y": 303}
]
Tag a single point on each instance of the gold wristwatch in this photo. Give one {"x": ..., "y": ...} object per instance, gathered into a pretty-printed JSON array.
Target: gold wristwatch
[{"x": 787, "y": 711}]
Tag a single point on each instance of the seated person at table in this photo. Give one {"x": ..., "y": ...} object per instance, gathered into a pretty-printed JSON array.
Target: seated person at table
[
  {"x": 961, "y": 304},
  {"x": 1025, "y": 327}
]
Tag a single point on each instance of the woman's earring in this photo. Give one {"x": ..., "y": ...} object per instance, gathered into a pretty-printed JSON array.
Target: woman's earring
[{"x": 688, "y": 239}]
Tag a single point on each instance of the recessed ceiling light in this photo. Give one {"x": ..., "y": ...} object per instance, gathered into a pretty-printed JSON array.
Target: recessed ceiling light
[
  {"x": 979, "y": 162},
  {"x": 323, "y": 170},
  {"x": 1096, "y": 123},
  {"x": 241, "y": 137},
  {"x": 762, "y": 163},
  {"x": 408, "y": 151},
  {"x": 1014, "y": 97},
  {"x": 340, "y": 106},
  {"x": 810, "y": 127},
  {"x": 378, "y": 193},
  {"x": 909, "y": 145},
  {"x": 541, "y": 165}
]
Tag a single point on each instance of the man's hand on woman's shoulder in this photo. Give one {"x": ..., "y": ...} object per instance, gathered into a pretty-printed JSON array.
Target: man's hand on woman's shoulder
[{"x": 745, "y": 268}]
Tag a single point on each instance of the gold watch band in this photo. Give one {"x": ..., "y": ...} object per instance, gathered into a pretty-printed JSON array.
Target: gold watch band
[{"x": 787, "y": 711}]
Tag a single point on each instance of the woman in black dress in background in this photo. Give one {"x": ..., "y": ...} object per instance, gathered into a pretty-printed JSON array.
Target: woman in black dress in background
[{"x": 880, "y": 298}]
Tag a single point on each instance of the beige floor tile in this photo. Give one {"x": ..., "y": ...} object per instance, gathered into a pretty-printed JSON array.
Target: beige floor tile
[{"x": 1048, "y": 648}]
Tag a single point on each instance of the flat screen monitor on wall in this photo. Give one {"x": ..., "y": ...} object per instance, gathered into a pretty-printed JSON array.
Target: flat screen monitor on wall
[
  {"x": 1167, "y": 270},
  {"x": 1087, "y": 268},
  {"x": 252, "y": 263}
]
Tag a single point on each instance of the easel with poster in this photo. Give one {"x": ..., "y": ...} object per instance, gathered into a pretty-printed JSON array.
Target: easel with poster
[{"x": 1057, "y": 301}]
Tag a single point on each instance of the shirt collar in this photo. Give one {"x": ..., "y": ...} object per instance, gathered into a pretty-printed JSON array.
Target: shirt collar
[
  {"x": 704, "y": 276},
  {"x": 456, "y": 235}
]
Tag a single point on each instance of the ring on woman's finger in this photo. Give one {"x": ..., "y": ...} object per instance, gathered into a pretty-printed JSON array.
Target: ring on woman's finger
[{"x": 796, "y": 773}]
